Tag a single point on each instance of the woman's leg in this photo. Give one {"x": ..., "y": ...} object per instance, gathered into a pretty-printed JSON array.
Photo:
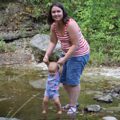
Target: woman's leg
[{"x": 73, "y": 94}]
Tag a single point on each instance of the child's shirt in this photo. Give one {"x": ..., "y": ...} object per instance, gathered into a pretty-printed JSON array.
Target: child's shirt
[{"x": 52, "y": 83}]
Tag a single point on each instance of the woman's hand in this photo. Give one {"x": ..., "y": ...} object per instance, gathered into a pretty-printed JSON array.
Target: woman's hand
[
  {"x": 46, "y": 59},
  {"x": 61, "y": 61}
]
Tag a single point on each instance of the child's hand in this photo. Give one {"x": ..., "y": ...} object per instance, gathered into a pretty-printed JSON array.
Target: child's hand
[
  {"x": 61, "y": 61},
  {"x": 60, "y": 69}
]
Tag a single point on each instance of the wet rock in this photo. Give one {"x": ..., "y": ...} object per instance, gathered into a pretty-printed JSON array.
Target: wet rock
[
  {"x": 3, "y": 118},
  {"x": 108, "y": 72},
  {"x": 115, "y": 95},
  {"x": 41, "y": 65},
  {"x": 39, "y": 45},
  {"x": 117, "y": 89},
  {"x": 38, "y": 84},
  {"x": 109, "y": 118},
  {"x": 4, "y": 99},
  {"x": 105, "y": 98},
  {"x": 92, "y": 108},
  {"x": 114, "y": 92}
]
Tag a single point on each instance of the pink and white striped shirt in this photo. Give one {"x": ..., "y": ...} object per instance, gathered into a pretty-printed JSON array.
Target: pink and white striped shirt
[{"x": 83, "y": 46}]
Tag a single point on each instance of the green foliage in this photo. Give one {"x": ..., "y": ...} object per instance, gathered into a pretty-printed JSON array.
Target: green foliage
[
  {"x": 39, "y": 8},
  {"x": 99, "y": 21}
]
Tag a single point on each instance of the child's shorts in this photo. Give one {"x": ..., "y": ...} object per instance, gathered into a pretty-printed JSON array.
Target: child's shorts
[
  {"x": 72, "y": 70},
  {"x": 51, "y": 94}
]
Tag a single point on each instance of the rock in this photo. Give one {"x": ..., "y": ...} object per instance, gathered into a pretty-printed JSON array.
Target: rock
[
  {"x": 114, "y": 92},
  {"x": 38, "y": 84},
  {"x": 39, "y": 44},
  {"x": 3, "y": 118},
  {"x": 11, "y": 36},
  {"x": 93, "y": 108},
  {"x": 105, "y": 98},
  {"x": 4, "y": 99},
  {"x": 117, "y": 89},
  {"x": 42, "y": 66},
  {"x": 109, "y": 118},
  {"x": 18, "y": 57}
]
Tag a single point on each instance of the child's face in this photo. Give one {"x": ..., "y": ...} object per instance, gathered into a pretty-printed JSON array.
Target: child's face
[{"x": 52, "y": 73}]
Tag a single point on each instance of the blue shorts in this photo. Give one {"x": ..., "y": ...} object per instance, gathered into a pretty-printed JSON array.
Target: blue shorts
[{"x": 72, "y": 70}]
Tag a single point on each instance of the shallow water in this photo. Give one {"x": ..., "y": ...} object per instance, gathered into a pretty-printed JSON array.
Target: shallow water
[{"x": 20, "y": 100}]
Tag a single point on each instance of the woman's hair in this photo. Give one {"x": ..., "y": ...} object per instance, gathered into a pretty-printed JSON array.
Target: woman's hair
[{"x": 50, "y": 20}]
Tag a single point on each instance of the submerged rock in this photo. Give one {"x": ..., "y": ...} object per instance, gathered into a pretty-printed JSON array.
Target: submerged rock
[
  {"x": 38, "y": 84},
  {"x": 3, "y": 118}
]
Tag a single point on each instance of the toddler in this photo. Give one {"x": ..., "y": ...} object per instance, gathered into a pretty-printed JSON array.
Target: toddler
[{"x": 52, "y": 87}]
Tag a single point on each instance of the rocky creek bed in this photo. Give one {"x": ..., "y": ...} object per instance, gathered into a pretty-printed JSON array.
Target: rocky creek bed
[
  {"x": 22, "y": 89},
  {"x": 22, "y": 82}
]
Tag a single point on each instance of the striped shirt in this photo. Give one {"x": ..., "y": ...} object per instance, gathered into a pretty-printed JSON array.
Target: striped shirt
[{"x": 82, "y": 47}]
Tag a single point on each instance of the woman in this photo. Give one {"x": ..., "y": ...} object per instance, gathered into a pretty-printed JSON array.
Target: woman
[{"x": 75, "y": 48}]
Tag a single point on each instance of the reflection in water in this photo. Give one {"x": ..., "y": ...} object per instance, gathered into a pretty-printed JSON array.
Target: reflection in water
[
  {"x": 17, "y": 97},
  {"x": 24, "y": 105}
]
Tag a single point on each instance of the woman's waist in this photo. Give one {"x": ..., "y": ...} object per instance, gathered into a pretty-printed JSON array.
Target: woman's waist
[{"x": 78, "y": 50}]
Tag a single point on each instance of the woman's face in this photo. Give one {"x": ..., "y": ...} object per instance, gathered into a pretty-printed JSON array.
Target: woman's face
[{"x": 57, "y": 13}]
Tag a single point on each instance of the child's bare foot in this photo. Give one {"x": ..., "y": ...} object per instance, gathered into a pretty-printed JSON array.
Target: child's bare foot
[
  {"x": 44, "y": 112},
  {"x": 59, "y": 112}
]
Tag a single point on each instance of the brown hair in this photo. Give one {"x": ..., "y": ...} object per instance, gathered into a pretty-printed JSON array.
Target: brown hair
[{"x": 50, "y": 20}]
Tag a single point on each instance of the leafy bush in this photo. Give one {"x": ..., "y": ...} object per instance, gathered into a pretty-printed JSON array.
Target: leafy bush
[{"x": 100, "y": 23}]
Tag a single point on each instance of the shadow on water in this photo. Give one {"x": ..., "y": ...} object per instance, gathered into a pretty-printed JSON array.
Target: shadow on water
[{"x": 18, "y": 99}]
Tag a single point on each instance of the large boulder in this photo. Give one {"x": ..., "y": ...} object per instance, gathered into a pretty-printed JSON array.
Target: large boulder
[{"x": 39, "y": 45}]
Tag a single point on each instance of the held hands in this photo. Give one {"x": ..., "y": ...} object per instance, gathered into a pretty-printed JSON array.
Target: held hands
[
  {"x": 46, "y": 60},
  {"x": 61, "y": 61}
]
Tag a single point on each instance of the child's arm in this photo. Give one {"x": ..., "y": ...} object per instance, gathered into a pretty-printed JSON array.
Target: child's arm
[{"x": 60, "y": 69}]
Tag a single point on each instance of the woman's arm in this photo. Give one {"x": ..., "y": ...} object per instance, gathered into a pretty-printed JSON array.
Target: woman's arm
[{"x": 51, "y": 46}]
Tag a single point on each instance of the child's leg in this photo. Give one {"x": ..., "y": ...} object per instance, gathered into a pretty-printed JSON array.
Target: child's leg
[
  {"x": 45, "y": 104},
  {"x": 57, "y": 104}
]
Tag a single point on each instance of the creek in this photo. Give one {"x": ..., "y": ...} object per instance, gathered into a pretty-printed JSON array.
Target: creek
[{"x": 19, "y": 99}]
